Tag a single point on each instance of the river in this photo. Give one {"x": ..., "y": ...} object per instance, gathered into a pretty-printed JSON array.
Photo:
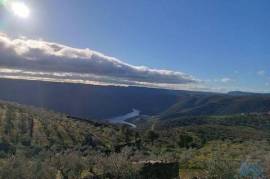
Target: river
[{"x": 122, "y": 119}]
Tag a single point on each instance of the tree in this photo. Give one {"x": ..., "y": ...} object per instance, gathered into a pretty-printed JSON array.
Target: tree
[
  {"x": 152, "y": 136},
  {"x": 138, "y": 141},
  {"x": 127, "y": 133},
  {"x": 70, "y": 165},
  {"x": 185, "y": 140},
  {"x": 8, "y": 126},
  {"x": 116, "y": 165}
]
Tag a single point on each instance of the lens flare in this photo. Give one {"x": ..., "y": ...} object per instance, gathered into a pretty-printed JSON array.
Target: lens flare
[
  {"x": 20, "y": 9},
  {"x": 3, "y": 2}
]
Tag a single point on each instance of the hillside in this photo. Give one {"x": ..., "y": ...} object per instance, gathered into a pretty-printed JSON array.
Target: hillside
[
  {"x": 35, "y": 143},
  {"x": 25, "y": 126},
  {"x": 87, "y": 101},
  {"x": 218, "y": 105},
  {"x": 103, "y": 102},
  {"x": 242, "y": 93}
]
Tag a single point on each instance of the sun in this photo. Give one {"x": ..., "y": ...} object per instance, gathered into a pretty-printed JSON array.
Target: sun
[{"x": 20, "y": 9}]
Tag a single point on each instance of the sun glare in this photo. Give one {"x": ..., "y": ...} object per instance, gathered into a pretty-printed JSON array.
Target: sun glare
[{"x": 20, "y": 9}]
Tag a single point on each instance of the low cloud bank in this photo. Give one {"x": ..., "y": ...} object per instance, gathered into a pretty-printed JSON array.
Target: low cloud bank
[{"x": 37, "y": 59}]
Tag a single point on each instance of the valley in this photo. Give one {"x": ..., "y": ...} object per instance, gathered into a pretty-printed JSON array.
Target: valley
[
  {"x": 43, "y": 142},
  {"x": 123, "y": 119},
  {"x": 106, "y": 102},
  {"x": 134, "y": 89},
  {"x": 130, "y": 132}
]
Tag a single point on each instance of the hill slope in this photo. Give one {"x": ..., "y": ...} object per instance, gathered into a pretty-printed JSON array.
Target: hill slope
[
  {"x": 35, "y": 143},
  {"x": 36, "y": 128},
  {"x": 87, "y": 101},
  {"x": 218, "y": 105},
  {"x": 103, "y": 102}
]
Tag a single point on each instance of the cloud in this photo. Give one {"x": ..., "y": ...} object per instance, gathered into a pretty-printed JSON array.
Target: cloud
[
  {"x": 37, "y": 59},
  {"x": 225, "y": 80},
  {"x": 261, "y": 72}
]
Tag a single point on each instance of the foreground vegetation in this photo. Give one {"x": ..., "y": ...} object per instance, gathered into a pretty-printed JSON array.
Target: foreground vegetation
[{"x": 35, "y": 143}]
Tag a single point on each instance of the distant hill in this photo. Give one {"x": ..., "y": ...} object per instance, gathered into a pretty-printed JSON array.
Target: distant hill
[
  {"x": 242, "y": 93},
  {"x": 104, "y": 102},
  {"x": 218, "y": 105},
  {"x": 87, "y": 101}
]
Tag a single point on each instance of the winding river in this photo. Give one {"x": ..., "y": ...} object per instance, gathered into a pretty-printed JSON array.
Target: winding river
[{"x": 122, "y": 119}]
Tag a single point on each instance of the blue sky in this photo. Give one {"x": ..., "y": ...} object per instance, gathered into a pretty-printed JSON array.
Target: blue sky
[{"x": 223, "y": 43}]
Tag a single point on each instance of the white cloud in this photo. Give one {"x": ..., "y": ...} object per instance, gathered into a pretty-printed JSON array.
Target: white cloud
[
  {"x": 37, "y": 59},
  {"x": 261, "y": 72},
  {"x": 225, "y": 80}
]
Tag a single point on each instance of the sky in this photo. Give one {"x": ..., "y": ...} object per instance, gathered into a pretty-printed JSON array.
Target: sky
[{"x": 209, "y": 45}]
